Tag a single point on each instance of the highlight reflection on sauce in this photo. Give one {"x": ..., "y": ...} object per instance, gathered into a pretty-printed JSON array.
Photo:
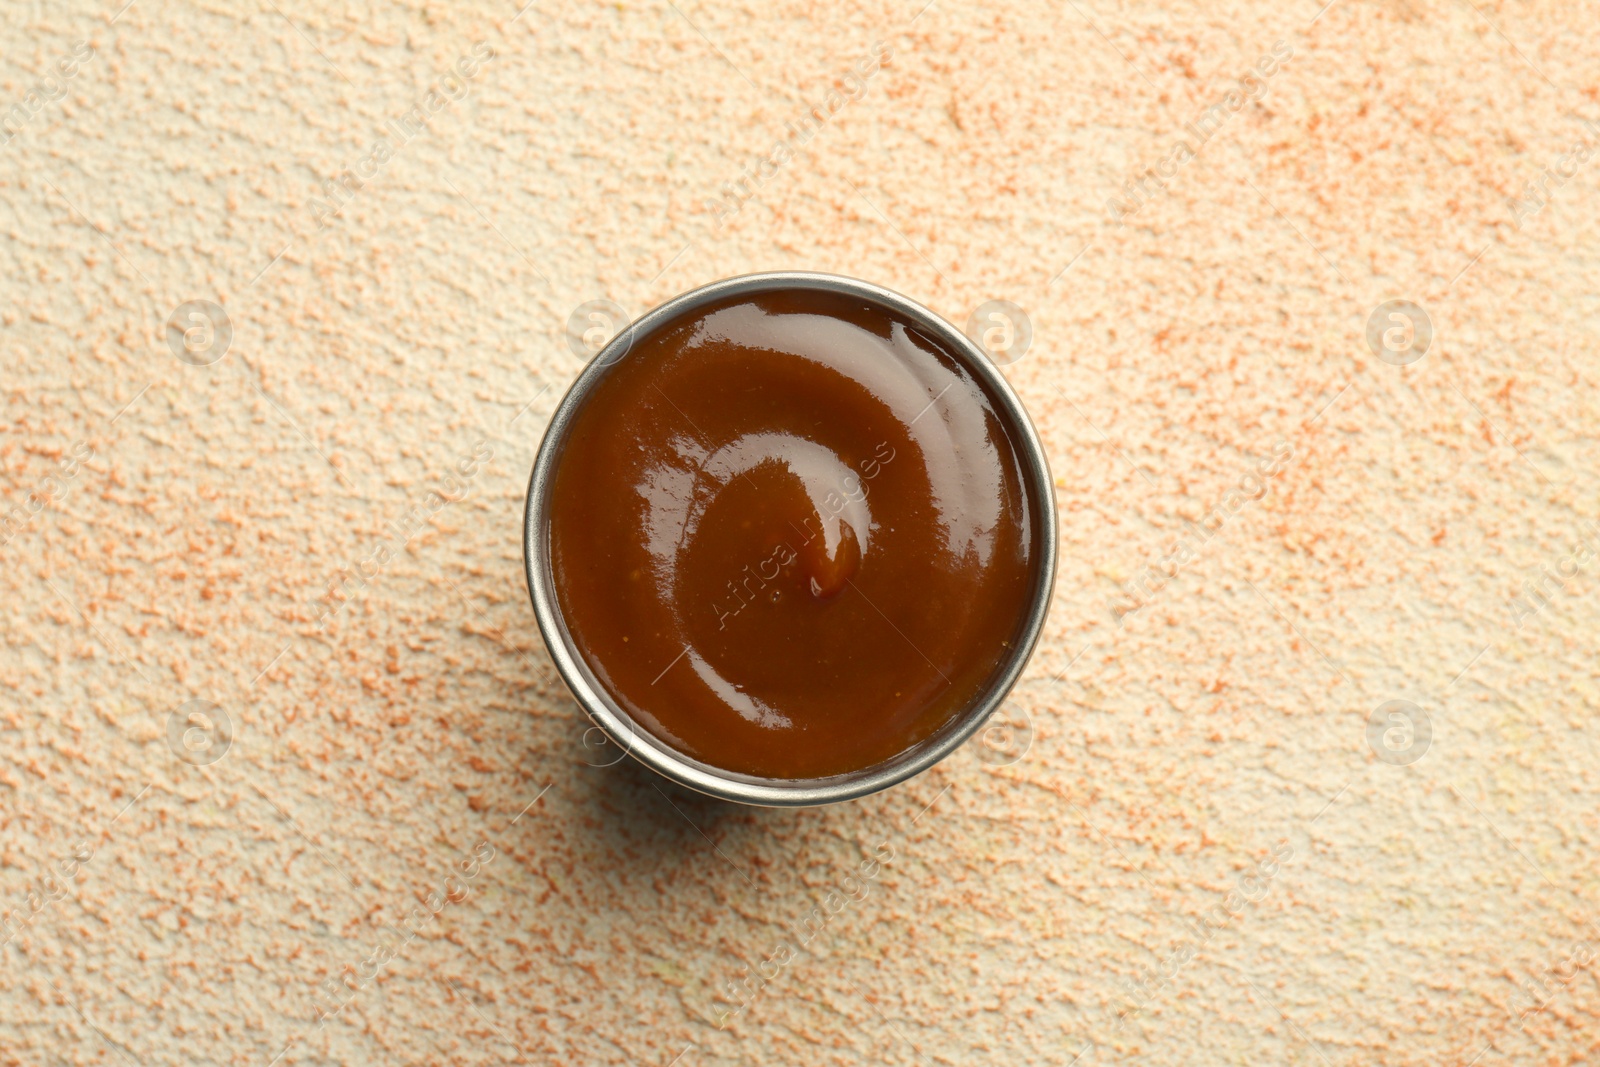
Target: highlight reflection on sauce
[{"x": 789, "y": 535}]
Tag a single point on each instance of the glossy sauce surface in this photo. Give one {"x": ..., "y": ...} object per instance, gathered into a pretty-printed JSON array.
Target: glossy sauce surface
[{"x": 789, "y": 534}]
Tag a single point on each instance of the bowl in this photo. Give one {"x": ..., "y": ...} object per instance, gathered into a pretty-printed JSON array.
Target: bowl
[{"x": 614, "y": 722}]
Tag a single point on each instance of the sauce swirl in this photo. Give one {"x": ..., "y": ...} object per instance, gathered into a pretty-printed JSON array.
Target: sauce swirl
[{"x": 790, "y": 536}]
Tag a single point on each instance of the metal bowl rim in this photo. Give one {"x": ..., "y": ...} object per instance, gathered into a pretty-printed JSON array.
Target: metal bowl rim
[{"x": 637, "y": 742}]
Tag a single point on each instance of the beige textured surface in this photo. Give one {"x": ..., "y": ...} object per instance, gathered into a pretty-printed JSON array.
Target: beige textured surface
[{"x": 190, "y": 556}]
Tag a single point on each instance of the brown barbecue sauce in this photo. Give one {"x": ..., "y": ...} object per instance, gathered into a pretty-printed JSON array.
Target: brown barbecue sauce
[{"x": 790, "y": 534}]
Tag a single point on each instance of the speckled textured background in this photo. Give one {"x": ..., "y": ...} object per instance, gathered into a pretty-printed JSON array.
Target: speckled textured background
[{"x": 1200, "y": 858}]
